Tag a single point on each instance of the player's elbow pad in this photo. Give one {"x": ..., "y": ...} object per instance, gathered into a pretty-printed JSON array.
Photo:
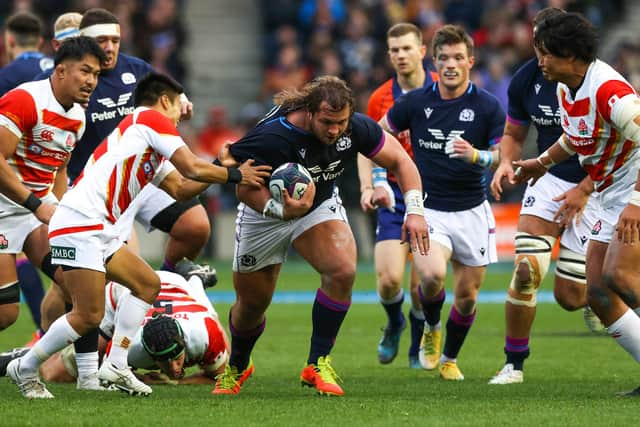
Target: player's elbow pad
[{"x": 624, "y": 113}]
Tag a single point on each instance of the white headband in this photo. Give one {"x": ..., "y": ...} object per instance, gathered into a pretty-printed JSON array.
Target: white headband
[
  {"x": 65, "y": 33},
  {"x": 98, "y": 30}
]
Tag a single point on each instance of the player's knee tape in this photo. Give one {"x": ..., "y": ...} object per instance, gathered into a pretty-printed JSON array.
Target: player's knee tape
[
  {"x": 10, "y": 293},
  {"x": 571, "y": 266},
  {"x": 533, "y": 254}
]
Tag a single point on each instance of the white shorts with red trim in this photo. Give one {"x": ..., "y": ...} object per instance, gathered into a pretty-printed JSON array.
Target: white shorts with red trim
[
  {"x": 80, "y": 241},
  {"x": 470, "y": 235},
  {"x": 16, "y": 223}
]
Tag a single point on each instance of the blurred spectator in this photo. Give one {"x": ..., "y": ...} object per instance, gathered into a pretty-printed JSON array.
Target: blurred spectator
[
  {"x": 215, "y": 133},
  {"x": 288, "y": 72},
  {"x": 327, "y": 14},
  {"x": 160, "y": 37}
]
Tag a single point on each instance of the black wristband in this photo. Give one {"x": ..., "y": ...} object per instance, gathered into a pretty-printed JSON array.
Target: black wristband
[
  {"x": 32, "y": 203},
  {"x": 217, "y": 162},
  {"x": 234, "y": 175}
]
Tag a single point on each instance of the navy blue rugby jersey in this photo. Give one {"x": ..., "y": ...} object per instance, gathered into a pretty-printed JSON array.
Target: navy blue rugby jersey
[
  {"x": 450, "y": 184},
  {"x": 111, "y": 101},
  {"x": 275, "y": 141},
  {"x": 23, "y": 69},
  {"x": 533, "y": 99}
]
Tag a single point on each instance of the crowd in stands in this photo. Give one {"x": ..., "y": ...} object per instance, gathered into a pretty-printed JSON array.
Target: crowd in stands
[{"x": 151, "y": 29}]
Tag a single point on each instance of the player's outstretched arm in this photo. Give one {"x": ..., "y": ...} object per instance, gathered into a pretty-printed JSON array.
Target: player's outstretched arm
[
  {"x": 393, "y": 157},
  {"x": 197, "y": 169},
  {"x": 11, "y": 186},
  {"x": 510, "y": 148}
]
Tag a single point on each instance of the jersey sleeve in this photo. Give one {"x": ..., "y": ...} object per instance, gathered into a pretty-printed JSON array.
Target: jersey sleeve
[
  {"x": 18, "y": 111},
  {"x": 216, "y": 353},
  {"x": 496, "y": 121},
  {"x": 516, "y": 108},
  {"x": 374, "y": 107},
  {"x": 165, "y": 138},
  {"x": 367, "y": 133},
  {"x": 254, "y": 146},
  {"x": 398, "y": 116},
  {"x": 609, "y": 93},
  {"x": 166, "y": 167}
]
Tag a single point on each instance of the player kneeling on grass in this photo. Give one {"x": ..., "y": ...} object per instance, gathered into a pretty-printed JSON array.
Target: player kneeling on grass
[
  {"x": 181, "y": 330},
  {"x": 316, "y": 127},
  {"x": 88, "y": 230}
]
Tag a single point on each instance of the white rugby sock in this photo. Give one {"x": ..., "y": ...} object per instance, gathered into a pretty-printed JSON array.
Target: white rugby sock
[
  {"x": 417, "y": 313},
  {"x": 626, "y": 331},
  {"x": 131, "y": 312},
  {"x": 59, "y": 335},
  {"x": 87, "y": 363},
  {"x": 394, "y": 299},
  {"x": 436, "y": 327}
]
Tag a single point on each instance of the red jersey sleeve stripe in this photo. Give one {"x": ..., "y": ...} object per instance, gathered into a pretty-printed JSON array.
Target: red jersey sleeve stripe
[
  {"x": 61, "y": 122},
  {"x": 608, "y": 94},
  {"x": 158, "y": 122},
  {"x": 18, "y": 106}
]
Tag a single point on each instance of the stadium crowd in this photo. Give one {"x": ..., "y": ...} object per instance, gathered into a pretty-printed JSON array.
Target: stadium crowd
[{"x": 106, "y": 122}]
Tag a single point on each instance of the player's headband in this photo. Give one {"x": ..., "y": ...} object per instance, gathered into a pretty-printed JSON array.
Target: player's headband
[
  {"x": 163, "y": 351},
  {"x": 98, "y": 30},
  {"x": 65, "y": 33}
]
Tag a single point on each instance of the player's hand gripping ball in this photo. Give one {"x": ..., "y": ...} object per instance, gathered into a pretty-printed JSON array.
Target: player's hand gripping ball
[{"x": 290, "y": 177}]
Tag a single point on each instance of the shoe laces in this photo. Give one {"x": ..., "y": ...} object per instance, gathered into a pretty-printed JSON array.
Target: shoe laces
[
  {"x": 33, "y": 384},
  {"x": 326, "y": 371},
  {"x": 429, "y": 343},
  {"x": 227, "y": 379}
]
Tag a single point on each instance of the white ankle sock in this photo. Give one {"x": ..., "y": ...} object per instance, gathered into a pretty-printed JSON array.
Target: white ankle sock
[
  {"x": 626, "y": 331},
  {"x": 131, "y": 312},
  {"x": 87, "y": 363},
  {"x": 59, "y": 335}
]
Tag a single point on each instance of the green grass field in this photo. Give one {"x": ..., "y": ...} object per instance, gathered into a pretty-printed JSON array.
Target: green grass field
[{"x": 570, "y": 379}]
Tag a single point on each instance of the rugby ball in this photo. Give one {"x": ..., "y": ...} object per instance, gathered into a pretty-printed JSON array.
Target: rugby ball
[{"x": 290, "y": 177}]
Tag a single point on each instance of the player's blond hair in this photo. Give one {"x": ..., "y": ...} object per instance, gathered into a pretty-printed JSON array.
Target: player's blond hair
[
  {"x": 403, "y": 28},
  {"x": 67, "y": 20}
]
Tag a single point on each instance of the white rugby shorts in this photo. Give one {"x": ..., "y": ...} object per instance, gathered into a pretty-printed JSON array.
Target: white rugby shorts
[
  {"x": 261, "y": 242},
  {"x": 606, "y": 219},
  {"x": 470, "y": 235},
  {"x": 538, "y": 201},
  {"x": 80, "y": 241},
  {"x": 16, "y": 223}
]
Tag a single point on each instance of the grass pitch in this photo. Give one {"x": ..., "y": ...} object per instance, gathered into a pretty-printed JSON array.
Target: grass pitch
[{"x": 570, "y": 379}]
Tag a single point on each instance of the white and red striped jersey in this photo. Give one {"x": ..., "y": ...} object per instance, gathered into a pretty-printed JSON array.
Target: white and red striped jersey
[
  {"x": 610, "y": 160},
  {"x": 205, "y": 342},
  {"x": 132, "y": 156},
  {"x": 47, "y": 132}
]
